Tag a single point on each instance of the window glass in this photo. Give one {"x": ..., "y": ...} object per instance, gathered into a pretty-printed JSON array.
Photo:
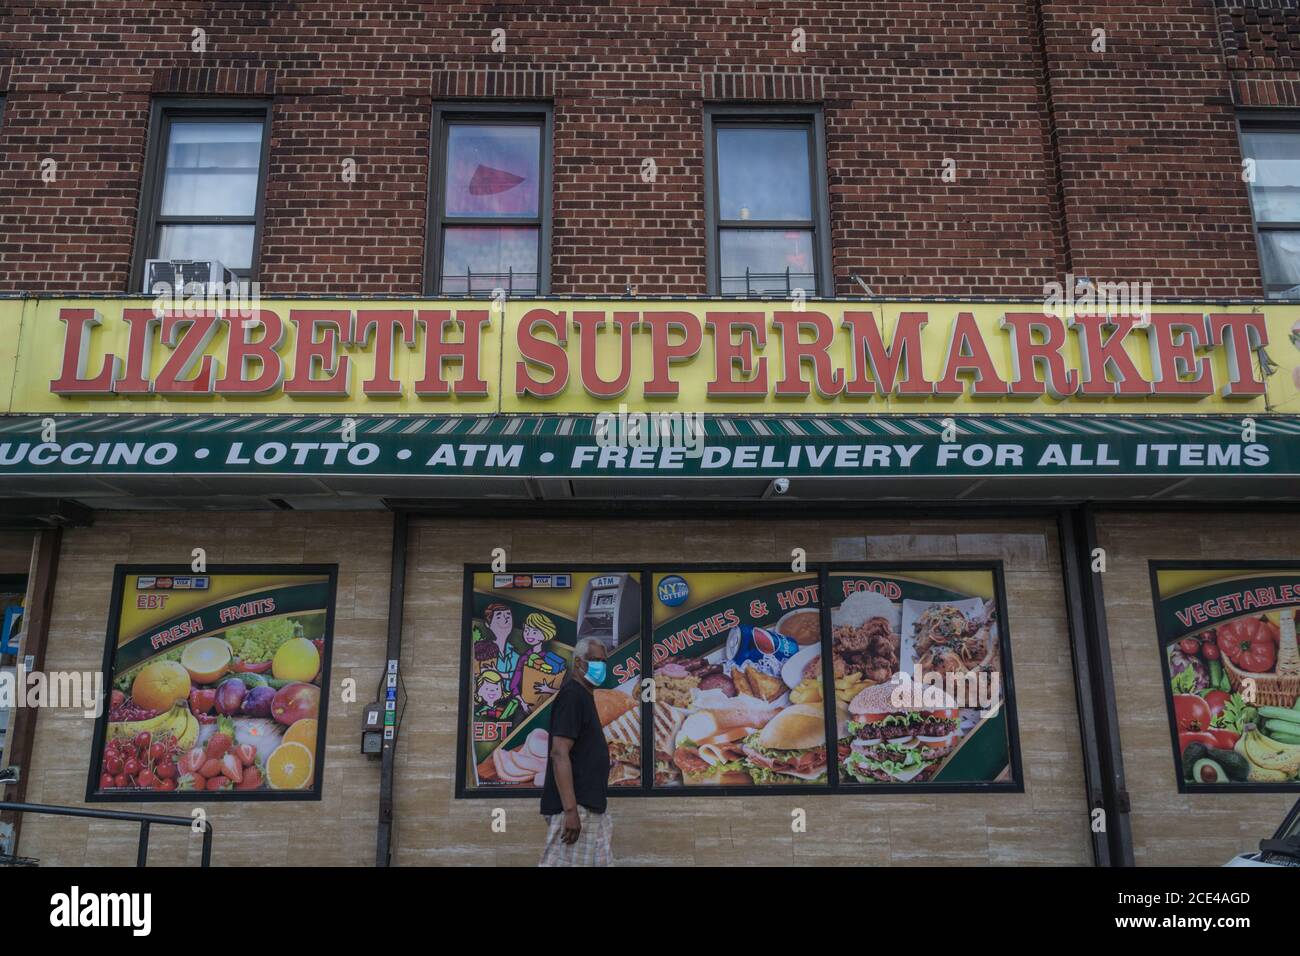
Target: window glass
[
  {"x": 763, "y": 174},
  {"x": 523, "y": 628},
  {"x": 918, "y": 659},
  {"x": 493, "y": 170},
  {"x": 212, "y": 169},
  {"x": 1281, "y": 257},
  {"x": 1229, "y": 653},
  {"x": 767, "y": 254},
  {"x": 232, "y": 245},
  {"x": 478, "y": 259},
  {"x": 736, "y": 660},
  {"x": 1275, "y": 191},
  {"x": 239, "y": 653}
]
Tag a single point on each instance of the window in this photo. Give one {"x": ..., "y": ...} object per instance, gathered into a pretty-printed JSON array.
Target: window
[
  {"x": 490, "y": 211},
  {"x": 765, "y": 196},
  {"x": 1272, "y": 146},
  {"x": 203, "y": 191},
  {"x": 751, "y": 665}
]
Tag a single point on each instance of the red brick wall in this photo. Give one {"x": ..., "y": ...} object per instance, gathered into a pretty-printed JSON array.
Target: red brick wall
[
  {"x": 1150, "y": 163},
  {"x": 1147, "y": 188}
]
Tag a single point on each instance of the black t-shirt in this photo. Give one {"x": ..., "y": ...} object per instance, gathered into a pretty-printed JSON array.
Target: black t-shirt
[{"x": 573, "y": 715}]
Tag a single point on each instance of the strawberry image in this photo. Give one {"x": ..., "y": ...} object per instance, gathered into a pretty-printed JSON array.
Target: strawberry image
[
  {"x": 252, "y": 779},
  {"x": 221, "y": 741},
  {"x": 231, "y": 768}
]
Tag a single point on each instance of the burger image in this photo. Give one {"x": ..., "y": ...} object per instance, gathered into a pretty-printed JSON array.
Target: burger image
[
  {"x": 791, "y": 748},
  {"x": 892, "y": 742}
]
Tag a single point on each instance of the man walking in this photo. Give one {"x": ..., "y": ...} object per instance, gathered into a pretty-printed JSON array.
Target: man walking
[{"x": 577, "y": 770}]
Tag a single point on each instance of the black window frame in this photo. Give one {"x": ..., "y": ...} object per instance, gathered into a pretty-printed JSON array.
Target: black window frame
[
  {"x": 1252, "y": 121},
  {"x": 759, "y": 117},
  {"x": 163, "y": 113},
  {"x": 446, "y": 114}
]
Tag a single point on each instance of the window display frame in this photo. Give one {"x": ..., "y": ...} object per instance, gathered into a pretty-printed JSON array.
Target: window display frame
[
  {"x": 821, "y": 571},
  {"x": 121, "y": 573},
  {"x": 1263, "y": 566}
]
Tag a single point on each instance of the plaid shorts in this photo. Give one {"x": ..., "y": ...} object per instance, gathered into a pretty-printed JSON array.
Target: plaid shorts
[{"x": 592, "y": 847}]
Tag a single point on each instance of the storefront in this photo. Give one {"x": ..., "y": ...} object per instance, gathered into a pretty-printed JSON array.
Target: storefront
[{"x": 1082, "y": 530}]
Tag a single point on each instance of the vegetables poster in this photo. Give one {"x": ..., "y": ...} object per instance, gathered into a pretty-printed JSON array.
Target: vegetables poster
[
  {"x": 1232, "y": 672},
  {"x": 522, "y": 629},
  {"x": 215, "y": 684}
]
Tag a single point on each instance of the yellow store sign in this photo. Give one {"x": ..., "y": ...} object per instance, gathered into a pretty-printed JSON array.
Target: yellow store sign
[{"x": 581, "y": 356}]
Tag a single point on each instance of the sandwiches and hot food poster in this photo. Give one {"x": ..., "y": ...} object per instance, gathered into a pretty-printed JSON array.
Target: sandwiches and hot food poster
[
  {"x": 523, "y": 628},
  {"x": 917, "y": 665},
  {"x": 215, "y": 684},
  {"x": 1232, "y": 672}
]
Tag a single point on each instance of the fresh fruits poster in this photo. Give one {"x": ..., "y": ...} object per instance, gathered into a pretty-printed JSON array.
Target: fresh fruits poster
[
  {"x": 1232, "y": 673},
  {"x": 214, "y": 684},
  {"x": 522, "y": 629}
]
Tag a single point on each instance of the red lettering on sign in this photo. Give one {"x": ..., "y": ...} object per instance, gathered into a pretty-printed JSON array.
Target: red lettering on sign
[
  {"x": 439, "y": 350},
  {"x": 828, "y": 379},
  {"x": 321, "y": 354},
  {"x": 384, "y": 323},
  {"x": 243, "y": 352},
  {"x": 870, "y": 354},
  {"x": 1029, "y": 357},
  {"x": 664, "y": 354},
  {"x": 74, "y": 380},
  {"x": 543, "y": 354},
  {"x": 588, "y": 326},
  {"x": 731, "y": 356}
]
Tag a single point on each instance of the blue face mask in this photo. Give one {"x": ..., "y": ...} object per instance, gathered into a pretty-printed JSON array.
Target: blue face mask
[{"x": 595, "y": 673}]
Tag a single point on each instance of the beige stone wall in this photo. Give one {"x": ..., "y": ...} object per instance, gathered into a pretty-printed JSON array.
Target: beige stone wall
[
  {"x": 340, "y": 829},
  {"x": 1169, "y": 827},
  {"x": 1046, "y": 824}
]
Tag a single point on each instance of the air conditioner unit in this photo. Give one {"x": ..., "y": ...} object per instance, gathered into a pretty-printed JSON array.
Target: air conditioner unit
[{"x": 175, "y": 276}]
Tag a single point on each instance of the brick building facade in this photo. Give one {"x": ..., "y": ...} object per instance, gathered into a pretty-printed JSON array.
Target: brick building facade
[
  {"x": 1122, "y": 165},
  {"x": 961, "y": 158}
]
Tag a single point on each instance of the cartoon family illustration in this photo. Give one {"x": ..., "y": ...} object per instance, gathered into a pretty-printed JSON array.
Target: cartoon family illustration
[{"x": 510, "y": 683}]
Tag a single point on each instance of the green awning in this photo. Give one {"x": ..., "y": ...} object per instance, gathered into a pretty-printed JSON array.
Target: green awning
[{"x": 568, "y": 446}]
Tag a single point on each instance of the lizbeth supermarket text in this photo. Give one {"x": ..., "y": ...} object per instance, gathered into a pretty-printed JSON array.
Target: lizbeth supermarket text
[
  {"x": 1241, "y": 602},
  {"x": 753, "y": 353}
]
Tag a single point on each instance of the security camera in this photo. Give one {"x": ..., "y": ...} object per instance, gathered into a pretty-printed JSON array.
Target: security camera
[{"x": 781, "y": 485}]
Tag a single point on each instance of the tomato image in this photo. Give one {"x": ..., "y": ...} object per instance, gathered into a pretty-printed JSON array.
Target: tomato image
[
  {"x": 1184, "y": 740},
  {"x": 1192, "y": 713},
  {"x": 1217, "y": 700},
  {"x": 1223, "y": 739},
  {"x": 1250, "y": 643}
]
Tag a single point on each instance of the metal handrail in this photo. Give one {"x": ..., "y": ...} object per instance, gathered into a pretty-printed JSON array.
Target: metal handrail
[{"x": 144, "y": 819}]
